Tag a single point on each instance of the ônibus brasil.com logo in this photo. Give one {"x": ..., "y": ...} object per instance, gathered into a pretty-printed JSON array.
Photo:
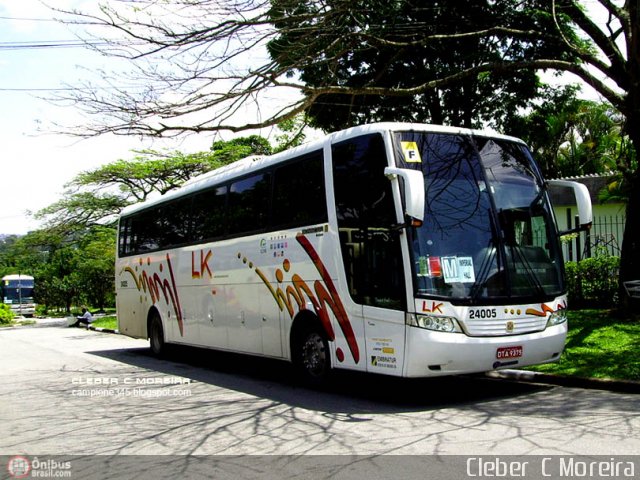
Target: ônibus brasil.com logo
[{"x": 20, "y": 466}]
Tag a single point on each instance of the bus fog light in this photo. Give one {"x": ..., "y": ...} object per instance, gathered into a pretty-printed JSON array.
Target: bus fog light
[
  {"x": 438, "y": 324},
  {"x": 556, "y": 318}
]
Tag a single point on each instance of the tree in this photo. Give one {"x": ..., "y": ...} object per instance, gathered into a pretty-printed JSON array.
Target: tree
[
  {"x": 196, "y": 70},
  {"x": 58, "y": 283},
  {"x": 230, "y": 151},
  {"x": 210, "y": 70},
  {"x": 72, "y": 258},
  {"x": 571, "y": 136},
  {"x": 96, "y": 267},
  {"x": 21, "y": 254},
  {"x": 96, "y": 197},
  {"x": 385, "y": 49}
]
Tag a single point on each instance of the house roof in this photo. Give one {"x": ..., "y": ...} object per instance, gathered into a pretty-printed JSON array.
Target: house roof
[{"x": 594, "y": 183}]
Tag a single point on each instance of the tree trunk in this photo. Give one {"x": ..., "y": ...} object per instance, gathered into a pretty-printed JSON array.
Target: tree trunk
[{"x": 630, "y": 254}]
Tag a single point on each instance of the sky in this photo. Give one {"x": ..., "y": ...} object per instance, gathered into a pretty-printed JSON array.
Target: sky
[{"x": 35, "y": 163}]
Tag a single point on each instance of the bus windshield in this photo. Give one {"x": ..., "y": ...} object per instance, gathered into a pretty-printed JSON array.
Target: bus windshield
[
  {"x": 18, "y": 291},
  {"x": 488, "y": 234}
]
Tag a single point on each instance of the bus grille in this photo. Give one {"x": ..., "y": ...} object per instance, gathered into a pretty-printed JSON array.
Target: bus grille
[{"x": 493, "y": 328}]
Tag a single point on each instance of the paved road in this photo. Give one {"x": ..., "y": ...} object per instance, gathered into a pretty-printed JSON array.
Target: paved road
[{"x": 74, "y": 391}]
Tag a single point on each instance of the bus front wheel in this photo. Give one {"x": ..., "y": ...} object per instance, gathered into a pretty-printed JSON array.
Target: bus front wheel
[
  {"x": 312, "y": 358},
  {"x": 156, "y": 336}
]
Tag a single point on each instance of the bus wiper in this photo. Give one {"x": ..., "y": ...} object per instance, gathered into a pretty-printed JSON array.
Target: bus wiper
[
  {"x": 485, "y": 266},
  {"x": 483, "y": 273},
  {"x": 539, "y": 196},
  {"x": 516, "y": 251}
]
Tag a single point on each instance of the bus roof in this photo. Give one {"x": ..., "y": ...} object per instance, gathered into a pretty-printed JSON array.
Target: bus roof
[
  {"x": 16, "y": 277},
  {"x": 256, "y": 162}
]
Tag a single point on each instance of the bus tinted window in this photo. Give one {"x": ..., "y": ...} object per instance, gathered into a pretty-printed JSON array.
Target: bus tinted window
[
  {"x": 207, "y": 216},
  {"x": 147, "y": 228},
  {"x": 174, "y": 223},
  {"x": 299, "y": 193},
  {"x": 125, "y": 237},
  {"x": 284, "y": 196},
  {"x": 366, "y": 214},
  {"x": 248, "y": 205}
]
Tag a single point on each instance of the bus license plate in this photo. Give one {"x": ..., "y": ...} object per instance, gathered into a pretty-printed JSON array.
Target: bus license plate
[{"x": 509, "y": 352}]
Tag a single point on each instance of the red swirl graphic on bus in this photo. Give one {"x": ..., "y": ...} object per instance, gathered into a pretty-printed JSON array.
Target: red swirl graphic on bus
[
  {"x": 323, "y": 297},
  {"x": 154, "y": 284},
  {"x": 545, "y": 309}
]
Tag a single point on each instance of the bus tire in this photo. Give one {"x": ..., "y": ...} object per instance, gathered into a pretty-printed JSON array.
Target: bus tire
[
  {"x": 311, "y": 356},
  {"x": 156, "y": 336}
]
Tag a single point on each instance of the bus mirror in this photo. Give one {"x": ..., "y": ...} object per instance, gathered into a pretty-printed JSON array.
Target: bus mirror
[
  {"x": 582, "y": 198},
  {"x": 413, "y": 190}
]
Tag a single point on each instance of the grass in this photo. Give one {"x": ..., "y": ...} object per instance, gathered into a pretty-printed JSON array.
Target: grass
[
  {"x": 599, "y": 345},
  {"x": 110, "y": 322}
]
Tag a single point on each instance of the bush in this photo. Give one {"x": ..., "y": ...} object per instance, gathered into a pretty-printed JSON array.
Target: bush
[
  {"x": 593, "y": 282},
  {"x": 6, "y": 315}
]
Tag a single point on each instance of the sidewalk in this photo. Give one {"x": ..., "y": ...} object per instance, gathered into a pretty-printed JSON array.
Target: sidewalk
[{"x": 55, "y": 322}]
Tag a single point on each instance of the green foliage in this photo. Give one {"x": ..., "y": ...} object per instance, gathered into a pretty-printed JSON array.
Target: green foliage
[
  {"x": 148, "y": 171},
  {"x": 225, "y": 152},
  {"x": 72, "y": 258},
  {"x": 97, "y": 196},
  {"x": 21, "y": 255},
  {"x": 573, "y": 137},
  {"x": 6, "y": 315},
  {"x": 593, "y": 281},
  {"x": 292, "y": 133},
  {"x": 96, "y": 267},
  {"x": 398, "y": 46}
]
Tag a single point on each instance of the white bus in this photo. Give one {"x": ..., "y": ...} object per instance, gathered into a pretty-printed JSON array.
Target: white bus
[
  {"x": 403, "y": 249},
  {"x": 17, "y": 292}
]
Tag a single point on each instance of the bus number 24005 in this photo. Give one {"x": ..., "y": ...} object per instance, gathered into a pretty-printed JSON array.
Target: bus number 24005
[{"x": 483, "y": 313}]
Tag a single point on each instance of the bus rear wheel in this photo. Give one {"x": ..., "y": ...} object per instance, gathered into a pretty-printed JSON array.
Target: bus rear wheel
[
  {"x": 156, "y": 336},
  {"x": 312, "y": 358}
]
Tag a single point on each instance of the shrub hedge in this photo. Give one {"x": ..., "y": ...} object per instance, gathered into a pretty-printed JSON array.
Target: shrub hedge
[
  {"x": 593, "y": 282},
  {"x": 6, "y": 315}
]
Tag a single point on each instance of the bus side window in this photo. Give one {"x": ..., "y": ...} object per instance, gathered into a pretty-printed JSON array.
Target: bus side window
[
  {"x": 365, "y": 211},
  {"x": 147, "y": 228},
  {"x": 125, "y": 237},
  {"x": 208, "y": 214},
  {"x": 299, "y": 194},
  {"x": 248, "y": 204}
]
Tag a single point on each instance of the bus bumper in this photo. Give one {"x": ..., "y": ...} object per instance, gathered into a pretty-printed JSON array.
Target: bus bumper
[
  {"x": 430, "y": 353},
  {"x": 26, "y": 310}
]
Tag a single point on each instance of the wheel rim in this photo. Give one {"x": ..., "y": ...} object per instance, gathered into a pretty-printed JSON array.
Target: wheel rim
[{"x": 314, "y": 355}]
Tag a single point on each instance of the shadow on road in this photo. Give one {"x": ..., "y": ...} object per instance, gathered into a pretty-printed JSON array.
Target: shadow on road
[{"x": 276, "y": 380}]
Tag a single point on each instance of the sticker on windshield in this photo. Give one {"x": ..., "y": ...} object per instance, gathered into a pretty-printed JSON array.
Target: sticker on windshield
[
  {"x": 411, "y": 152},
  {"x": 458, "y": 269}
]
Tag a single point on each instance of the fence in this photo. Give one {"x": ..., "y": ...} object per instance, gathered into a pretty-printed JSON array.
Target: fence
[{"x": 605, "y": 234}]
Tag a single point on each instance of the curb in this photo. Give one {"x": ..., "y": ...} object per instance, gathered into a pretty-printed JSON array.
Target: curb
[
  {"x": 63, "y": 322},
  {"x": 103, "y": 330},
  {"x": 623, "y": 386}
]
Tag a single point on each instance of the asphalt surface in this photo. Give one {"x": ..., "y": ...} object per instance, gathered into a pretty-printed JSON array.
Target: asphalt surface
[{"x": 626, "y": 386}]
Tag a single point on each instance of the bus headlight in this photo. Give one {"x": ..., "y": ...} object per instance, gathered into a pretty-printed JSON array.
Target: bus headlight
[
  {"x": 431, "y": 322},
  {"x": 557, "y": 317}
]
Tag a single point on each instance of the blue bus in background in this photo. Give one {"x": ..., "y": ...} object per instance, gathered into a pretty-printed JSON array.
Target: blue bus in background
[{"x": 17, "y": 292}]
